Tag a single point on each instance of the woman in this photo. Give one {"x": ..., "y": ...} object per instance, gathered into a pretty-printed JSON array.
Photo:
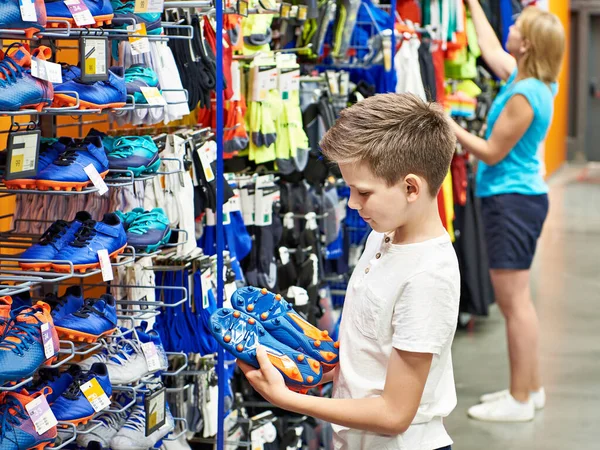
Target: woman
[{"x": 513, "y": 192}]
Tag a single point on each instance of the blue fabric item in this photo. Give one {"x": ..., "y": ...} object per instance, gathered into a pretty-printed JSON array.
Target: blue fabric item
[
  {"x": 520, "y": 171},
  {"x": 513, "y": 224},
  {"x": 58, "y": 9}
]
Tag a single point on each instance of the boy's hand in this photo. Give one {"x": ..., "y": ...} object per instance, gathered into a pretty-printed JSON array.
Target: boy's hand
[{"x": 267, "y": 380}]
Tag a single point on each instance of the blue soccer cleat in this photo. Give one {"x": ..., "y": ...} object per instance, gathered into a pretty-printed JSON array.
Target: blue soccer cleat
[
  {"x": 136, "y": 153},
  {"x": 149, "y": 230},
  {"x": 67, "y": 304},
  {"x": 97, "y": 318},
  {"x": 99, "y": 95},
  {"x": 240, "y": 335},
  {"x": 11, "y": 18},
  {"x": 57, "y": 236},
  {"x": 55, "y": 380},
  {"x": 72, "y": 406},
  {"x": 93, "y": 236},
  {"x": 138, "y": 76},
  {"x": 286, "y": 325},
  {"x": 101, "y": 11}
]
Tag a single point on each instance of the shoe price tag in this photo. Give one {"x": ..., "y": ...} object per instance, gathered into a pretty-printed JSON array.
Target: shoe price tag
[
  {"x": 28, "y": 13},
  {"x": 22, "y": 154},
  {"x": 206, "y": 287},
  {"x": 153, "y": 96},
  {"x": 94, "y": 62},
  {"x": 80, "y": 12},
  {"x": 151, "y": 355},
  {"x": 155, "y": 407},
  {"x": 147, "y": 6},
  {"x": 41, "y": 415},
  {"x": 139, "y": 43},
  {"x": 105, "y": 266},
  {"x": 47, "y": 340},
  {"x": 96, "y": 179},
  {"x": 46, "y": 70},
  {"x": 95, "y": 395},
  {"x": 289, "y": 81}
]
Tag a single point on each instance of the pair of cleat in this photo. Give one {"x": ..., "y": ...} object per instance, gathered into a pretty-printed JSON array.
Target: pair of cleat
[{"x": 300, "y": 351}]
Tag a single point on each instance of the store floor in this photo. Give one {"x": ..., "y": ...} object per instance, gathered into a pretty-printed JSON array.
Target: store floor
[{"x": 566, "y": 289}]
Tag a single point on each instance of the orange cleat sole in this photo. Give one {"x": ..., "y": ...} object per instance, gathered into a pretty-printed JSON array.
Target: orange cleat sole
[
  {"x": 67, "y": 100},
  {"x": 37, "y": 267},
  {"x": 78, "y": 336},
  {"x": 20, "y": 184},
  {"x": 100, "y": 21},
  {"x": 82, "y": 268},
  {"x": 49, "y": 185}
]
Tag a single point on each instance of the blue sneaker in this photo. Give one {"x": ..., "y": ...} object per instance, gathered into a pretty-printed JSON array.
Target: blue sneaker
[
  {"x": 97, "y": 318},
  {"x": 241, "y": 334},
  {"x": 72, "y": 406},
  {"x": 10, "y": 17},
  {"x": 18, "y": 89},
  {"x": 124, "y": 14},
  {"x": 58, "y": 382},
  {"x": 57, "y": 236},
  {"x": 69, "y": 303},
  {"x": 92, "y": 237},
  {"x": 136, "y": 153},
  {"x": 149, "y": 231},
  {"x": 50, "y": 149},
  {"x": 138, "y": 76},
  {"x": 67, "y": 171},
  {"x": 111, "y": 93},
  {"x": 101, "y": 11},
  {"x": 69, "y": 73},
  {"x": 21, "y": 347},
  {"x": 286, "y": 325}
]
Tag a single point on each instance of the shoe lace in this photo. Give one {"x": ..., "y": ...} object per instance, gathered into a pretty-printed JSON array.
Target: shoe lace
[
  {"x": 11, "y": 415},
  {"x": 142, "y": 223},
  {"x": 137, "y": 419},
  {"x": 56, "y": 230},
  {"x": 85, "y": 234},
  {"x": 23, "y": 334},
  {"x": 74, "y": 390},
  {"x": 128, "y": 348},
  {"x": 69, "y": 156},
  {"x": 89, "y": 308},
  {"x": 11, "y": 70}
]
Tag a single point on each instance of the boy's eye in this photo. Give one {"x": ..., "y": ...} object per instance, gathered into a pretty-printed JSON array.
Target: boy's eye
[{"x": 364, "y": 194}]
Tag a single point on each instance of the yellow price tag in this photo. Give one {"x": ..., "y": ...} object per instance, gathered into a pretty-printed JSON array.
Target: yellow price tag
[
  {"x": 16, "y": 163},
  {"x": 140, "y": 6},
  {"x": 95, "y": 395},
  {"x": 302, "y": 12},
  {"x": 152, "y": 419},
  {"x": 140, "y": 29},
  {"x": 90, "y": 66}
]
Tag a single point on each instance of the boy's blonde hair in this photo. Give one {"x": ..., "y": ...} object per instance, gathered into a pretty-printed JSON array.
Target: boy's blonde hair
[
  {"x": 546, "y": 36},
  {"x": 395, "y": 134}
]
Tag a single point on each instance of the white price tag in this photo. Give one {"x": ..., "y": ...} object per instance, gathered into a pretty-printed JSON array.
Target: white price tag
[
  {"x": 41, "y": 415},
  {"x": 139, "y": 45},
  {"x": 47, "y": 340},
  {"x": 206, "y": 287},
  {"x": 265, "y": 79},
  {"x": 247, "y": 206},
  {"x": 235, "y": 203},
  {"x": 96, "y": 179},
  {"x": 46, "y": 70},
  {"x": 153, "y": 96},
  {"x": 28, "y": 13},
  {"x": 205, "y": 160},
  {"x": 95, "y": 395},
  {"x": 80, "y": 12},
  {"x": 105, "y": 266},
  {"x": 151, "y": 355},
  {"x": 289, "y": 81}
]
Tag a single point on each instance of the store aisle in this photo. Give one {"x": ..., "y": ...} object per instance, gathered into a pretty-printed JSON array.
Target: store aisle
[{"x": 566, "y": 289}]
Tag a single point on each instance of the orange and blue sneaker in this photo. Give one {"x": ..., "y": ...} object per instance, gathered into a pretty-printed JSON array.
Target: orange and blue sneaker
[
  {"x": 22, "y": 346},
  {"x": 18, "y": 88},
  {"x": 278, "y": 317},
  {"x": 240, "y": 334},
  {"x": 17, "y": 431}
]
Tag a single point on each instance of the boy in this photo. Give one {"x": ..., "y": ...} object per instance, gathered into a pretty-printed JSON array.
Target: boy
[{"x": 394, "y": 382}]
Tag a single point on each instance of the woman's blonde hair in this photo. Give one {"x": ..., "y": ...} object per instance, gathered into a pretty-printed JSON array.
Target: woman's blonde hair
[{"x": 546, "y": 37}]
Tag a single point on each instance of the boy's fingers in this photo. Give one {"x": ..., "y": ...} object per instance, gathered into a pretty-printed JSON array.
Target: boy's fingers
[
  {"x": 262, "y": 357},
  {"x": 245, "y": 367}
]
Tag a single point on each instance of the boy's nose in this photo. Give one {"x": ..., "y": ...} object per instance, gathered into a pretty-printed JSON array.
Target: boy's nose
[{"x": 353, "y": 203}]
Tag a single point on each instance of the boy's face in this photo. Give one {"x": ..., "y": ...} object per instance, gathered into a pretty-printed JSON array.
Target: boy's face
[{"x": 383, "y": 207}]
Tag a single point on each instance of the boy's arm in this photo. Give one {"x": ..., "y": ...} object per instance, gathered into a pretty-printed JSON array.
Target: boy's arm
[
  {"x": 329, "y": 376},
  {"x": 390, "y": 414}
]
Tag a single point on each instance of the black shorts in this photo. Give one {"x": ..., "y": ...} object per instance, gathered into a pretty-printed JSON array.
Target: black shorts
[{"x": 513, "y": 223}]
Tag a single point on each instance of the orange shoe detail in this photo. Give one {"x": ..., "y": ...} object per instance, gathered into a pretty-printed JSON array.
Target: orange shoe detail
[
  {"x": 325, "y": 333},
  {"x": 23, "y": 183},
  {"x": 250, "y": 308},
  {"x": 278, "y": 297},
  {"x": 310, "y": 379},
  {"x": 328, "y": 356},
  {"x": 337, "y": 344},
  {"x": 67, "y": 100},
  {"x": 300, "y": 358},
  {"x": 82, "y": 268},
  {"x": 35, "y": 266},
  {"x": 236, "y": 314},
  {"x": 78, "y": 336},
  {"x": 308, "y": 329},
  {"x": 287, "y": 366},
  {"x": 239, "y": 348},
  {"x": 100, "y": 21},
  {"x": 315, "y": 366},
  {"x": 264, "y": 316},
  {"x": 264, "y": 291},
  {"x": 47, "y": 185},
  {"x": 227, "y": 338},
  {"x": 317, "y": 343},
  {"x": 251, "y": 321}
]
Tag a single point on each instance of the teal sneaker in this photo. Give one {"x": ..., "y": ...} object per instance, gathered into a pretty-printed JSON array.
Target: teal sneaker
[
  {"x": 149, "y": 231},
  {"x": 124, "y": 13},
  {"x": 138, "y": 76},
  {"x": 128, "y": 218},
  {"x": 136, "y": 153}
]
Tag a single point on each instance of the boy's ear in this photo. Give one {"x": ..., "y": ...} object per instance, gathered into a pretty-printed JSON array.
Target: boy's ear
[{"x": 413, "y": 185}]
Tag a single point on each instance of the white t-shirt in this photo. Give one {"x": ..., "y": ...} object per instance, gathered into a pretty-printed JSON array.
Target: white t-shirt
[{"x": 404, "y": 297}]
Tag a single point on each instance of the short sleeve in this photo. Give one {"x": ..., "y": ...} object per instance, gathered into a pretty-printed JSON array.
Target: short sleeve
[
  {"x": 531, "y": 89},
  {"x": 426, "y": 313}
]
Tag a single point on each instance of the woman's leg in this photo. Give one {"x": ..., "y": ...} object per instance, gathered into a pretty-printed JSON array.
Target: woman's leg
[{"x": 513, "y": 296}]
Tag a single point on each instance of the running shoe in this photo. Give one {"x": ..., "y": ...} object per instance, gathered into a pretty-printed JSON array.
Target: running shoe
[
  {"x": 286, "y": 325},
  {"x": 89, "y": 239},
  {"x": 22, "y": 346},
  {"x": 132, "y": 435},
  {"x": 67, "y": 172},
  {"x": 138, "y": 76},
  {"x": 240, "y": 334},
  {"x": 50, "y": 149},
  {"x": 136, "y": 153},
  {"x": 18, "y": 88},
  {"x": 110, "y": 93},
  {"x": 55, "y": 380},
  {"x": 72, "y": 406},
  {"x": 70, "y": 302},
  {"x": 57, "y": 236},
  {"x": 17, "y": 431},
  {"x": 10, "y": 17},
  {"x": 101, "y": 11},
  {"x": 149, "y": 231},
  {"x": 103, "y": 429},
  {"x": 97, "y": 318},
  {"x": 124, "y": 17}
]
